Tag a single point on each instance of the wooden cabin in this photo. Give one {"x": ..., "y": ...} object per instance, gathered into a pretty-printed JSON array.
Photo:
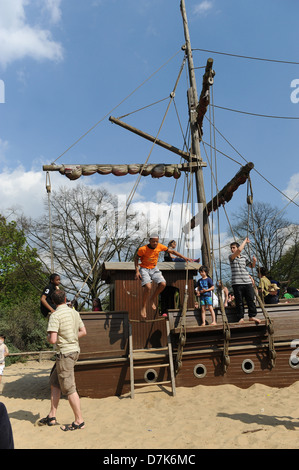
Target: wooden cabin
[
  {"x": 126, "y": 295},
  {"x": 104, "y": 366}
]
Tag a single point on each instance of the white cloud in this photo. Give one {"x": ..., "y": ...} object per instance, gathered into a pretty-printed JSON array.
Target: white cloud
[
  {"x": 164, "y": 196},
  {"x": 203, "y": 8},
  {"x": 24, "y": 192},
  {"x": 166, "y": 221},
  {"x": 293, "y": 187},
  {"x": 19, "y": 39},
  {"x": 21, "y": 191},
  {"x": 52, "y": 8}
]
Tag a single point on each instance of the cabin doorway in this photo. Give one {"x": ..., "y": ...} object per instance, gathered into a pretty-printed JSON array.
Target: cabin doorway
[{"x": 169, "y": 298}]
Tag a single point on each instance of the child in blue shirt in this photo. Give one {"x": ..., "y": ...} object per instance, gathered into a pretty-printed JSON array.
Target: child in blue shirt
[{"x": 204, "y": 289}]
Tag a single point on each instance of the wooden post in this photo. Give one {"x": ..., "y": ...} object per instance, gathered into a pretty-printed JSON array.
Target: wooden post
[{"x": 193, "y": 102}]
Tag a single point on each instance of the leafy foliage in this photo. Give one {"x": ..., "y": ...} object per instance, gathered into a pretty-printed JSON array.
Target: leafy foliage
[
  {"x": 287, "y": 267},
  {"x": 20, "y": 270},
  {"x": 21, "y": 277}
]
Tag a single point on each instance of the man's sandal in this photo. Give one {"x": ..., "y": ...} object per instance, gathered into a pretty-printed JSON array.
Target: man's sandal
[
  {"x": 73, "y": 426},
  {"x": 47, "y": 421}
]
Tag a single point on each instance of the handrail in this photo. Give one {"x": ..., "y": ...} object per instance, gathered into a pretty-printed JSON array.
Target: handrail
[{"x": 29, "y": 353}]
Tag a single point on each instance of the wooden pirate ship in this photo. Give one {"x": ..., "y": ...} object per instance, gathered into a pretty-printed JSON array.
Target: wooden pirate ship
[{"x": 120, "y": 352}]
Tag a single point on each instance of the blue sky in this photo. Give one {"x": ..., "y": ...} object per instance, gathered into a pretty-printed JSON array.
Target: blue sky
[{"x": 65, "y": 64}]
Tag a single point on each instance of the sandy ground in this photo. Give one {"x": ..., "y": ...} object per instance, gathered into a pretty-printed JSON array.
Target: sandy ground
[{"x": 222, "y": 417}]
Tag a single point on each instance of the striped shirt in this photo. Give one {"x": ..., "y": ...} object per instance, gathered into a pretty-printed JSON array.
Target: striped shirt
[
  {"x": 66, "y": 322},
  {"x": 240, "y": 275}
]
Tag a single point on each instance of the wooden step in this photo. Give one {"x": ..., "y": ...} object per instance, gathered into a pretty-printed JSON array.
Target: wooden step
[
  {"x": 147, "y": 366},
  {"x": 144, "y": 384},
  {"x": 151, "y": 354}
]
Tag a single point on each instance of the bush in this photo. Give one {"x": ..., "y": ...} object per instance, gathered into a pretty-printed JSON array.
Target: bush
[{"x": 24, "y": 327}]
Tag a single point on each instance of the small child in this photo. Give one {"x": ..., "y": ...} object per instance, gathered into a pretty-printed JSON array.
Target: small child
[
  {"x": 204, "y": 289},
  {"x": 3, "y": 354}
]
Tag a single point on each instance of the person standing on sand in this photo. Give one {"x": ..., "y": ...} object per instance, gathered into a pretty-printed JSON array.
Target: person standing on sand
[
  {"x": 65, "y": 327},
  {"x": 148, "y": 271},
  {"x": 3, "y": 353},
  {"x": 241, "y": 281}
]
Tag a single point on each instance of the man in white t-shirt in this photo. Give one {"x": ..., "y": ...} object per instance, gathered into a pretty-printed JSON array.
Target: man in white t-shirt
[{"x": 65, "y": 327}]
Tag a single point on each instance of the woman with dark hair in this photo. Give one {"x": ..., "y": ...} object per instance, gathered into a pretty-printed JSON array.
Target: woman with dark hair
[
  {"x": 46, "y": 305},
  {"x": 168, "y": 256},
  {"x": 96, "y": 305}
]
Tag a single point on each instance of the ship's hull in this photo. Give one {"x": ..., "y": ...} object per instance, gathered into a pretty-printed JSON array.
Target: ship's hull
[{"x": 249, "y": 350}]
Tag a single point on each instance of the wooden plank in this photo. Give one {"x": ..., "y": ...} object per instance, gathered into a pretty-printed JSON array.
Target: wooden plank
[
  {"x": 107, "y": 333},
  {"x": 147, "y": 384}
]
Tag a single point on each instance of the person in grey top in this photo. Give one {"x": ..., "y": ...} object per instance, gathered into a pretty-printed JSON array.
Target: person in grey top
[{"x": 242, "y": 282}]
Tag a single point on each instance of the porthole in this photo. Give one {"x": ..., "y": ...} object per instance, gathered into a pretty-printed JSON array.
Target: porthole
[
  {"x": 248, "y": 366},
  {"x": 200, "y": 371},
  {"x": 294, "y": 361},
  {"x": 150, "y": 376}
]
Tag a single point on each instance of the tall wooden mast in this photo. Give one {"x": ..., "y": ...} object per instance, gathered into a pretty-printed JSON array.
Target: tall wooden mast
[{"x": 195, "y": 140}]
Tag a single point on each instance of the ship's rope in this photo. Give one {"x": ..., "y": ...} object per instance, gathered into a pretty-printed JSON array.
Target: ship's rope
[
  {"x": 218, "y": 270},
  {"x": 115, "y": 107},
  {"x": 269, "y": 322},
  {"x": 171, "y": 97},
  {"x": 48, "y": 189}
]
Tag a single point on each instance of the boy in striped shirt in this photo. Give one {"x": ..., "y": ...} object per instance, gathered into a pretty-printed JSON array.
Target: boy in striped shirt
[{"x": 241, "y": 281}]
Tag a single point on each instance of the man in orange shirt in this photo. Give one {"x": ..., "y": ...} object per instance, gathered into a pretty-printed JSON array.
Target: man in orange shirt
[{"x": 148, "y": 271}]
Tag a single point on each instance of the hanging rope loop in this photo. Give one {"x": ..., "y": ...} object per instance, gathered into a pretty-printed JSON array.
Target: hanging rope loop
[
  {"x": 48, "y": 182},
  {"x": 250, "y": 200}
]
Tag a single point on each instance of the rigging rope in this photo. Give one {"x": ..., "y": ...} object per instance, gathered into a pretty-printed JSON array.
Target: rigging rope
[
  {"x": 269, "y": 322},
  {"x": 254, "y": 169},
  {"x": 255, "y": 114},
  {"x": 172, "y": 94},
  {"x": 115, "y": 107},
  {"x": 219, "y": 283},
  {"x": 48, "y": 189},
  {"x": 247, "y": 57}
]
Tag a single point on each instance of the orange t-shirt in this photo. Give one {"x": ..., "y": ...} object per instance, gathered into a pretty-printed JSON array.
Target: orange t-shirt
[{"x": 149, "y": 256}]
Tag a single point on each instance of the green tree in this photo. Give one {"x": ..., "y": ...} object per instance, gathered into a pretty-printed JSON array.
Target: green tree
[
  {"x": 269, "y": 232},
  {"x": 20, "y": 271},
  {"x": 87, "y": 228},
  {"x": 21, "y": 283},
  {"x": 287, "y": 267}
]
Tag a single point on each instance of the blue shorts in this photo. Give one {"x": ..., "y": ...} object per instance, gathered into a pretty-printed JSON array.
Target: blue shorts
[{"x": 206, "y": 301}]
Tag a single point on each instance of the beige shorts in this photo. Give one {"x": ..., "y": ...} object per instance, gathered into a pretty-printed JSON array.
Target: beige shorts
[
  {"x": 62, "y": 375},
  {"x": 149, "y": 275}
]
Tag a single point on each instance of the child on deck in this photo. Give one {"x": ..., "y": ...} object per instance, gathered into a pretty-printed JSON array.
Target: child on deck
[
  {"x": 204, "y": 289},
  {"x": 148, "y": 271}
]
